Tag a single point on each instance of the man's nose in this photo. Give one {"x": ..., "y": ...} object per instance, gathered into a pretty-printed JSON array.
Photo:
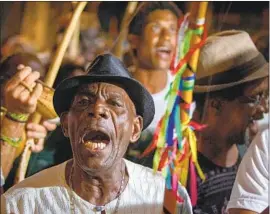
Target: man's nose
[
  {"x": 165, "y": 34},
  {"x": 261, "y": 109},
  {"x": 99, "y": 110},
  {"x": 265, "y": 104},
  {"x": 258, "y": 112}
]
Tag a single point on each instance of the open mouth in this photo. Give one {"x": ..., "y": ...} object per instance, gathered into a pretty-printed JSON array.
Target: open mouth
[
  {"x": 253, "y": 126},
  {"x": 252, "y": 121},
  {"x": 96, "y": 140},
  {"x": 257, "y": 116},
  {"x": 164, "y": 51}
]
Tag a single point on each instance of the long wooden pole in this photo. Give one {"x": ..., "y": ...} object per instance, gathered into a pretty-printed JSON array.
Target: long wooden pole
[
  {"x": 36, "y": 15},
  {"x": 74, "y": 45},
  {"x": 198, "y": 13},
  {"x": 118, "y": 49},
  {"x": 57, "y": 60},
  {"x": 49, "y": 80}
]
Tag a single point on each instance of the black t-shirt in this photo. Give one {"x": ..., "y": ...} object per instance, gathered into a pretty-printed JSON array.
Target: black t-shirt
[{"x": 214, "y": 193}]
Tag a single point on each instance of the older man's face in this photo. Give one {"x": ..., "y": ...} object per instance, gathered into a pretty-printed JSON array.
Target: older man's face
[
  {"x": 100, "y": 124},
  {"x": 234, "y": 117}
]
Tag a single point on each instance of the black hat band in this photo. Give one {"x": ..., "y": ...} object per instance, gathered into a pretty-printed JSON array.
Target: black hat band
[{"x": 235, "y": 74}]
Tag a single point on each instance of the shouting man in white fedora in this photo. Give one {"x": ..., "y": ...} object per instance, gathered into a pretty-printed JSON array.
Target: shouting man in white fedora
[{"x": 231, "y": 90}]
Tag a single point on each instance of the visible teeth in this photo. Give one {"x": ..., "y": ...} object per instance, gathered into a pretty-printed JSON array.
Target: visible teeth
[
  {"x": 93, "y": 145},
  {"x": 163, "y": 49}
]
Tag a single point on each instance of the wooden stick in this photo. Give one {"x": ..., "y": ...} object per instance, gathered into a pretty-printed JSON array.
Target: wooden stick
[
  {"x": 74, "y": 46},
  {"x": 113, "y": 29},
  {"x": 52, "y": 73},
  {"x": 198, "y": 13},
  {"x": 118, "y": 49},
  {"x": 49, "y": 80}
]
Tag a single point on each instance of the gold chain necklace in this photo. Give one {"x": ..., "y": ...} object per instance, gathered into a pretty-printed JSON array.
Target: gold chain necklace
[{"x": 97, "y": 208}]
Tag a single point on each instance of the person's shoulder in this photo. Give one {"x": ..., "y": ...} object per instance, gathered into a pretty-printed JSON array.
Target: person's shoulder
[
  {"x": 261, "y": 141},
  {"x": 265, "y": 134},
  {"x": 138, "y": 171},
  {"x": 16, "y": 194},
  {"x": 46, "y": 178},
  {"x": 182, "y": 192},
  {"x": 18, "y": 198}
]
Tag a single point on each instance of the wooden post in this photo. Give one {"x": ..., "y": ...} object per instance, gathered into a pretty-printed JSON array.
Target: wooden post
[
  {"x": 74, "y": 46},
  {"x": 118, "y": 49},
  {"x": 198, "y": 12},
  {"x": 35, "y": 23}
]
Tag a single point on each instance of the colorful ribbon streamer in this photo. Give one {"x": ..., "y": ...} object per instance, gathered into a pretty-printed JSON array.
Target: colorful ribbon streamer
[{"x": 174, "y": 140}]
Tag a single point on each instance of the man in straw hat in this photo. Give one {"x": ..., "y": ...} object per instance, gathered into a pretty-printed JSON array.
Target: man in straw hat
[
  {"x": 101, "y": 113},
  {"x": 230, "y": 92}
]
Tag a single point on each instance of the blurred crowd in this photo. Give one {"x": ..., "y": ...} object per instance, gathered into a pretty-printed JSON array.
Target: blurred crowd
[{"x": 20, "y": 60}]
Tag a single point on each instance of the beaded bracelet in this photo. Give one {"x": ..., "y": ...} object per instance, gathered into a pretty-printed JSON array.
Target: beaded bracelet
[
  {"x": 3, "y": 109},
  {"x": 17, "y": 117},
  {"x": 13, "y": 141}
]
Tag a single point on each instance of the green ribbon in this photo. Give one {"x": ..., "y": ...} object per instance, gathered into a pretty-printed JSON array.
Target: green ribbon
[
  {"x": 22, "y": 118},
  {"x": 13, "y": 141}
]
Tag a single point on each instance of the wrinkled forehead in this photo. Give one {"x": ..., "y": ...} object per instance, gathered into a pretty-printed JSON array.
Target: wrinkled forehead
[
  {"x": 160, "y": 15},
  {"x": 108, "y": 89},
  {"x": 96, "y": 87}
]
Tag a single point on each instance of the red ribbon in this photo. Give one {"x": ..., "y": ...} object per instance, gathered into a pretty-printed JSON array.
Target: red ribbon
[
  {"x": 153, "y": 145},
  {"x": 193, "y": 184},
  {"x": 197, "y": 126},
  {"x": 188, "y": 56}
]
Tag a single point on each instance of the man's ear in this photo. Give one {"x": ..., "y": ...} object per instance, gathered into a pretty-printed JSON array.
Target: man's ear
[
  {"x": 64, "y": 123},
  {"x": 137, "y": 129},
  {"x": 133, "y": 41},
  {"x": 196, "y": 116},
  {"x": 217, "y": 105}
]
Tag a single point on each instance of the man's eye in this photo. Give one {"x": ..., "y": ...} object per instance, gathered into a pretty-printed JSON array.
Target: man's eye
[
  {"x": 83, "y": 102},
  {"x": 155, "y": 28},
  {"x": 173, "y": 29},
  {"x": 116, "y": 103}
]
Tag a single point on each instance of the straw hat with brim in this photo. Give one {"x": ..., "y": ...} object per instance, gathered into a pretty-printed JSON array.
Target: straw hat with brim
[
  {"x": 106, "y": 68},
  {"x": 227, "y": 59}
]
